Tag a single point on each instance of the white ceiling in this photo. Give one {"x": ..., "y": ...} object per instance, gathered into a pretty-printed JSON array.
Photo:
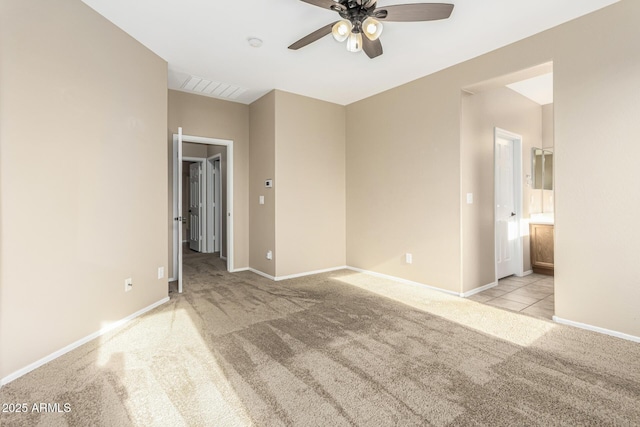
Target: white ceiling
[{"x": 208, "y": 39}]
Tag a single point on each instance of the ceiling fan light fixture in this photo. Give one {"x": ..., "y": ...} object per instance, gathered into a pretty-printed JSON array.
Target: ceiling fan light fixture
[
  {"x": 372, "y": 28},
  {"x": 341, "y": 30},
  {"x": 354, "y": 43}
]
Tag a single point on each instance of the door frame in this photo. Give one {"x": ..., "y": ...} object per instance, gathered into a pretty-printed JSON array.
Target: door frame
[
  {"x": 203, "y": 194},
  {"x": 517, "y": 186},
  {"x": 177, "y": 164},
  {"x": 214, "y": 190}
]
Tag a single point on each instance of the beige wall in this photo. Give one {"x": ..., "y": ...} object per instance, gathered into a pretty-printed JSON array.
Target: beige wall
[
  {"x": 547, "y": 126},
  {"x": 403, "y": 182},
  {"x": 596, "y": 114},
  {"x": 410, "y": 156},
  {"x": 310, "y": 182},
  {"x": 481, "y": 114},
  {"x": 262, "y": 224},
  {"x": 190, "y": 149},
  {"x": 83, "y": 113},
  {"x": 214, "y": 118}
]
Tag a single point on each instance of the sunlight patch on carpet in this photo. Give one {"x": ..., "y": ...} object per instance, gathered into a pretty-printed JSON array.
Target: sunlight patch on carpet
[
  {"x": 165, "y": 379},
  {"x": 513, "y": 327}
]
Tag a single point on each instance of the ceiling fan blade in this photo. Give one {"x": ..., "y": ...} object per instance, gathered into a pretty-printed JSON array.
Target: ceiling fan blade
[
  {"x": 414, "y": 12},
  {"x": 371, "y": 48},
  {"x": 310, "y": 38},
  {"x": 325, "y": 4}
]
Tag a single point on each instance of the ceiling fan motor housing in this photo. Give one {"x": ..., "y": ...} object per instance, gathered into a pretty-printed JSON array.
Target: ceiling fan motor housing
[{"x": 355, "y": 13}]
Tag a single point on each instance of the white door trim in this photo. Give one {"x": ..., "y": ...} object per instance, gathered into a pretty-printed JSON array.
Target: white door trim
[
  {"x": 177, "y": 162},
  {"x": 517, "y": 185}
]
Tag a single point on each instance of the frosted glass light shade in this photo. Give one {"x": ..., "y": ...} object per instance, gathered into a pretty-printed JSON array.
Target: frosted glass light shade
[
  {"x": 341, "y": 30},
  {"x": 354, "y": 44},
  {"x": 372, "y": 28}
]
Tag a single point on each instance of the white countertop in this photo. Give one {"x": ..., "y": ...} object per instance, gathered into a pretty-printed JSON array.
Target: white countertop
[{"x": 542, "y": 218}]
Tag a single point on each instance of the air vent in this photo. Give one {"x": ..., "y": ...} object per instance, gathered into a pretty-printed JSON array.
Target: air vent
[{"x": 211, "y": 88}]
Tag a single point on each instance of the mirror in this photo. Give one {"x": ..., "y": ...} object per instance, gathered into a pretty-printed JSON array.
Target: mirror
[{"x": 542, "y": 169}]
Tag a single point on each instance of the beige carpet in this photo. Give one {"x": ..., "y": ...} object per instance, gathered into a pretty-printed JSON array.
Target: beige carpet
[{"x": 329, "y": 350}]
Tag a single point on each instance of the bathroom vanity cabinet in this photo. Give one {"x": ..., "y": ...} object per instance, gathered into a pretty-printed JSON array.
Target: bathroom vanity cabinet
[{"x": 541, "y": 240}]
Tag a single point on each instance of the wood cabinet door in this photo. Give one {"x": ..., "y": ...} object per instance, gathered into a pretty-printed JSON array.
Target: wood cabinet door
[{"x": 542, "y": 246}]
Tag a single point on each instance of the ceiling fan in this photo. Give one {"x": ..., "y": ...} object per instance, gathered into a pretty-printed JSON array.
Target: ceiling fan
[{"x": 363, "y": 17}]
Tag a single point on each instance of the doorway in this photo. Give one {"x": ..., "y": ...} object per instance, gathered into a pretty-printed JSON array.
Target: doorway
[{"x": 225, "y": 204}]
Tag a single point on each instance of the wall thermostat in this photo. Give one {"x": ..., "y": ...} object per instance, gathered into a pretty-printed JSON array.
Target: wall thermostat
[{"x": 268, "y": 183}]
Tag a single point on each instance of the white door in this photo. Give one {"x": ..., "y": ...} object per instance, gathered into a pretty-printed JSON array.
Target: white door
[
  {"x": 195, "y": 206},
  {"x": 505, "y": 212},
  {"x": 177, "y": 165}
]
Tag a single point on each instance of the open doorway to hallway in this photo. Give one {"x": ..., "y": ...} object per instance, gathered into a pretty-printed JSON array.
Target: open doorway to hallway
[
  {"x": 203, "y": 202},
  {"x": 201, "y": 199}
]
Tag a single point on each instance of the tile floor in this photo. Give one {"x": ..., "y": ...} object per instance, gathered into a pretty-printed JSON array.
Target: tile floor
[{"x": 532, "y": 294}]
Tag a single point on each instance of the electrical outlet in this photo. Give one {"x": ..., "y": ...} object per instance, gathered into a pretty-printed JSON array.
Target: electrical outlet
[
  {"x": 269, "y": 255},
  {"x": 160, "y": 272},
  {"x": 408, "y": 258},
  {"x": 128, "y": 284}
]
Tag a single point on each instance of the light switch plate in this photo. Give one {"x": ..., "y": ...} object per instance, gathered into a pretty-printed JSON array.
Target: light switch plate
[
  {"x": 261, "y": 200},
  {"x": 469, "y": 198}
]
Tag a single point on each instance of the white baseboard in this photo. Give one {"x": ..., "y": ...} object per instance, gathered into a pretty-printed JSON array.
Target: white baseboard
[
  {"x": 596, "y": 329},
  {"x": 405, "y": 281},
  {"x": 293, "y": 276},
  {"x": 526, "y": 273},
  {"x": 260, "y": 273},
  {"x": 237, "y": 270},
  {"x": 477, "y": 290},
  {"x": 309, "y": 273},
  {"x": 73, "y": 346},
  {"x": 224, "y": 258},
  {"x": 371, "y": 273}
]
